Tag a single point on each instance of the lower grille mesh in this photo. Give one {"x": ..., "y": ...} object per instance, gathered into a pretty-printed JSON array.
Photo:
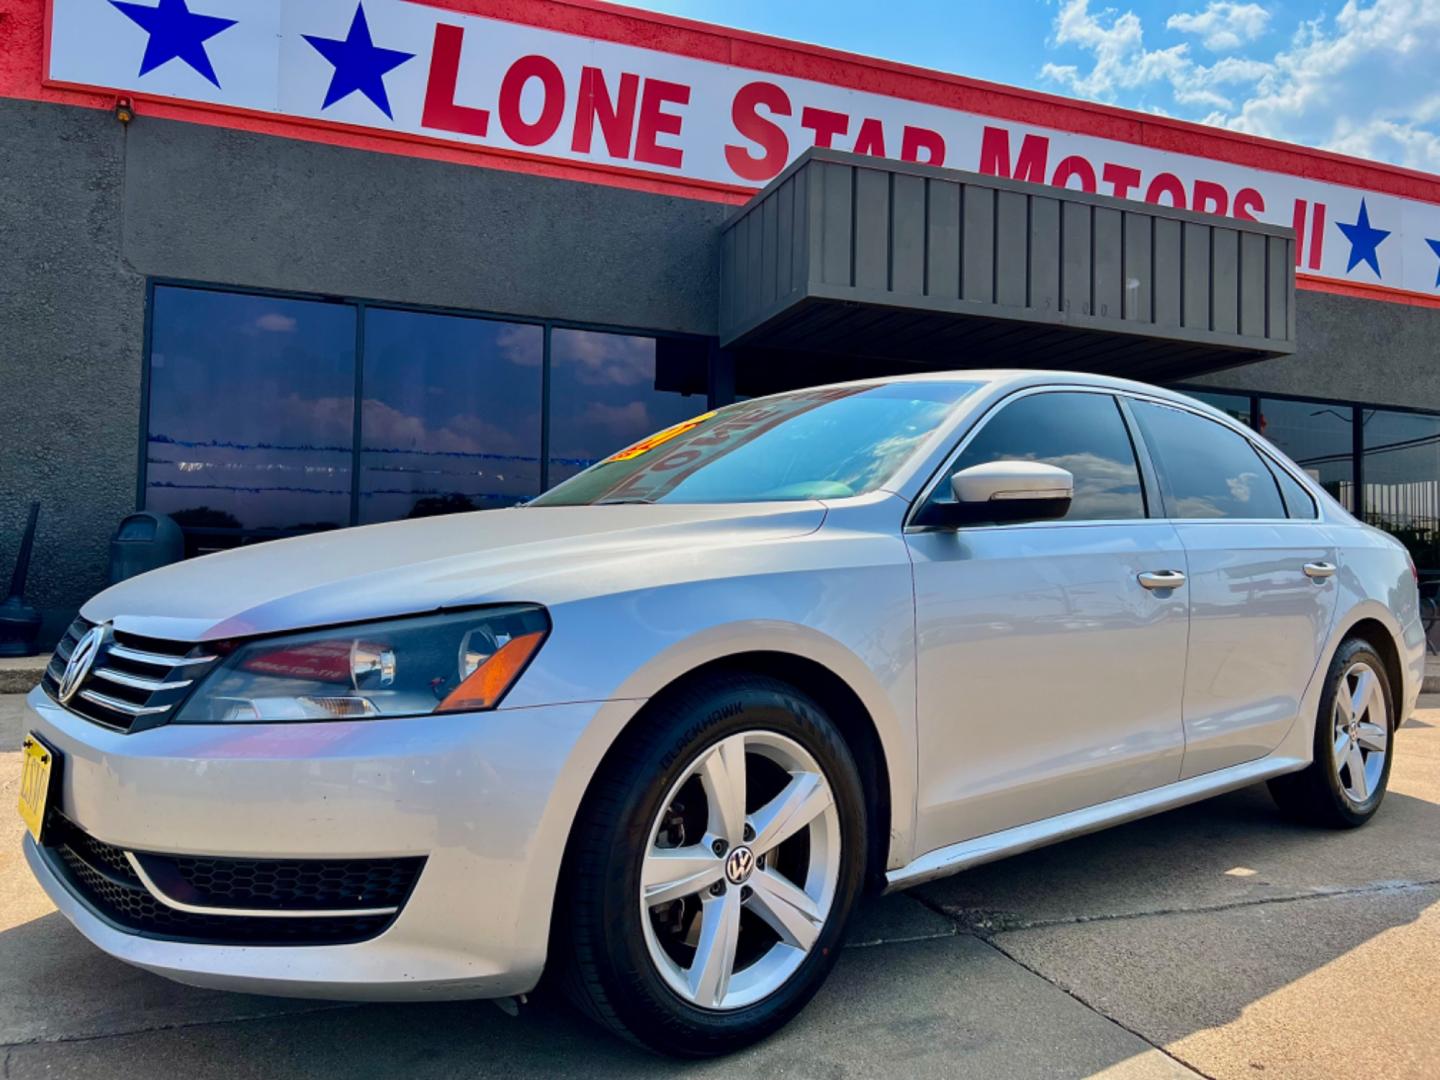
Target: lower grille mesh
[{"x": 101, "y": 876}]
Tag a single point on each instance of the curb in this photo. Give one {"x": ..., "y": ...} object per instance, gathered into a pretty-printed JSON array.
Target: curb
[{"x": 19, "y": 676}]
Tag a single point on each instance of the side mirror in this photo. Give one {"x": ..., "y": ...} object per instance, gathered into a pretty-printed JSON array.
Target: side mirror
[{"x": 1002, "y": 492}]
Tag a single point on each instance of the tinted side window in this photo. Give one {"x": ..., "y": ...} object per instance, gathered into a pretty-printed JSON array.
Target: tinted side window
[
  {"x": 1083, "y": 433},
  {"x": 1206, "y": 470},
  {"x": 1299, "y": 503}
]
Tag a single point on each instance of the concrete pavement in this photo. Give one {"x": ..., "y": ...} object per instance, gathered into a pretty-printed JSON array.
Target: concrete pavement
[{"x": 1217, "y": 940}]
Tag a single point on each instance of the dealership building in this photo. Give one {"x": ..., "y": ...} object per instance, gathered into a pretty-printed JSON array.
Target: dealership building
[{"x": 273, "y": 266}]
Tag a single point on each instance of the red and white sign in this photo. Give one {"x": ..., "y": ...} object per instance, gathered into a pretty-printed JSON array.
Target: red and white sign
[{"x": 626, "y": 111}]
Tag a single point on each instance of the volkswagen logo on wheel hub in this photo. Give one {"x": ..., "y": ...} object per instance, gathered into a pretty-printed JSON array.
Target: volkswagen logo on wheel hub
[
  {"x": 739, "y": 865},
  {"x": 81, "y": 659}
]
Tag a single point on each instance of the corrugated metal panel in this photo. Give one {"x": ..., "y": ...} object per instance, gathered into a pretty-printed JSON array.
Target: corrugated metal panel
[{"x": 837, "y": 232}]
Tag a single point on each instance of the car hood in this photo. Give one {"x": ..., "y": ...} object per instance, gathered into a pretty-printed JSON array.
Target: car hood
[{"x": 536, "y": 554}]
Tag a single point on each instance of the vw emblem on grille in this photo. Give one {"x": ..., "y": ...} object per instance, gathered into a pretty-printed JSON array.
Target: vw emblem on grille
[
  {"x": 81, "y": 659},
  {"x": 739, "y": 865}
]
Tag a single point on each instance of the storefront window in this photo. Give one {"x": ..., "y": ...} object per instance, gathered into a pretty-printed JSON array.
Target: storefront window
[
  {"x": 1319, "y": 437},
  {"x": 252, "y": 417},
  {"x": 251, "y": 411},
  {"x": 451, "y": 414},
  {"x": 610, "y": 390},
  {"x": 1402, "y": 480}
]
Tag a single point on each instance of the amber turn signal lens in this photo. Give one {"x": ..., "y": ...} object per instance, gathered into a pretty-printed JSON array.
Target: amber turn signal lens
[{"x": 487, "y": 684}]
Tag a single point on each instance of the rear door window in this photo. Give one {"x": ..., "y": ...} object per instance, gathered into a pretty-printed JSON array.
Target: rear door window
[{"x": 1206, "y": 470}]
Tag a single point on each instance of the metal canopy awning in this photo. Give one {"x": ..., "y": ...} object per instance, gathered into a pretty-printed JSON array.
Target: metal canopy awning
[{"x": 863, "y": 257}]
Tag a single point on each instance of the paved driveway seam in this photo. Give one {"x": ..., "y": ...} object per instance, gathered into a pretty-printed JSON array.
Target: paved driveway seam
[
  {"x": 332, "y": 1006},
  {"x": 1098, "y": 1012},
  {"x": 987, "y": 924},
  {"x": 989, "y": 940}
]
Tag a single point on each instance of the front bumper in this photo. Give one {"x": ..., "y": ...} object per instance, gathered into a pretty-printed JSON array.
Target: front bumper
[{"x": 487, "y": 798}]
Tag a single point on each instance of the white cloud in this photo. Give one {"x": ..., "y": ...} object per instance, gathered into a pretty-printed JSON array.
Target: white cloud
[
  {"x": 1222, "y": 25},
  {"x": 1122, "y": 63},
  {"x": 1364, "y": 82},
  {"x": 1366, "y": 85}
]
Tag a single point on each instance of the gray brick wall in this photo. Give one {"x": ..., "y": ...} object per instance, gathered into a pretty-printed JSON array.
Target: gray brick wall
[{"x": 1355, "y": 350}]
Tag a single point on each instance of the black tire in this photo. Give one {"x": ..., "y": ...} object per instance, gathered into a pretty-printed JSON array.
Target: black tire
[
  {"x": 609, "y": 974},
  {"x": 1315, "y": 795}
]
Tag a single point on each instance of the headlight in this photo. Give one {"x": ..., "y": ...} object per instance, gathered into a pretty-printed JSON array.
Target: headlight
[{"x": 401, "y": 667}]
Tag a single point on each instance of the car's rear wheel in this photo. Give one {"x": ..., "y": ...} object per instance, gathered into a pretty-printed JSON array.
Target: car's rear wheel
[
  {"x": 1345, "y": 783},
  {"x": 713, "y": 868}
]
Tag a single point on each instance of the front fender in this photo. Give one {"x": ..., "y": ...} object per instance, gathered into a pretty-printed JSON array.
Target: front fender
[{"x": 856, "y": 621}]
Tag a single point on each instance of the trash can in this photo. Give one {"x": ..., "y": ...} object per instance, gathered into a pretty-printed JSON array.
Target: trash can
[{"x": 144, "y": 541}]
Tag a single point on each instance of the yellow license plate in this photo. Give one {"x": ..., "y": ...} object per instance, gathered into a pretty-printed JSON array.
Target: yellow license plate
[{"x": 37, "y": 766}]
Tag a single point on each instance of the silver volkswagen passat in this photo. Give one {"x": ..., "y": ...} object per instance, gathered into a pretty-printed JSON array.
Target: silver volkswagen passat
[{"x": 655, "y": 730}]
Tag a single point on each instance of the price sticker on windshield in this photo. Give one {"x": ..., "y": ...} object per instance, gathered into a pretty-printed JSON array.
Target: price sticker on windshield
[{"x": 659, "y": 438}]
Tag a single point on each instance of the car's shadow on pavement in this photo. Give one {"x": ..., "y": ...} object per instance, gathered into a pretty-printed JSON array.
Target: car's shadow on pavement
[{"x": 1185, "y": 920}]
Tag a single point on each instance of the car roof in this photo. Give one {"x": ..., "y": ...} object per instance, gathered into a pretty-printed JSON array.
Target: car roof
[{"x": 1016, "y": 378}]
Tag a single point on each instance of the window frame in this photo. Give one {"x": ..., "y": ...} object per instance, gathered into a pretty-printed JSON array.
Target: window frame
[
  {"x": 360, "y": 306},
  {"x": 1149, "y": 488}
]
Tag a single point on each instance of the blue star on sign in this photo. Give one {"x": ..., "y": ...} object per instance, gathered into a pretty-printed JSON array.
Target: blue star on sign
[
  {"x": 1435, "y": 247},
  {"x": 360, "y": 64},
  {"x": 176, "y": 33},
  {"x": 1363, "y": 241}
]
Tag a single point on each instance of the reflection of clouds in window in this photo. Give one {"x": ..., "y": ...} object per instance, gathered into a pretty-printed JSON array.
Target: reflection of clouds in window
[
  {"x": 1240, "y": 486},
  {"x": 598, "y": 359},
  {"x": 618, "y": 421},
  {"x": 389, "y": 428},
  {"x": 603, "y": 397},
  {"x": 328, "y": 419},
  {"x": 521, "y": 345},
  {"x": 451, "y": 419},
  {"x": 275, "y": 323},
  {"x": 886, "y": 455},
  {"x": 1104, "y": 487}
]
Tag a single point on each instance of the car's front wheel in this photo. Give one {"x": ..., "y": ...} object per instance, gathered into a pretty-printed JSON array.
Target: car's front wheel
[{"x": 714, "y": 867}]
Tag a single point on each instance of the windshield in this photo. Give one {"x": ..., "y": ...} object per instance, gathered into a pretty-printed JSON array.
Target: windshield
[{"x": 827, "y": 443}]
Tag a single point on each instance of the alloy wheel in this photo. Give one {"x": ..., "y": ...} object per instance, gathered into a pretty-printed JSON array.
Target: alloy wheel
[
  {"x": 1361, "y": 732},
  {"x": 740, "y": 870}
]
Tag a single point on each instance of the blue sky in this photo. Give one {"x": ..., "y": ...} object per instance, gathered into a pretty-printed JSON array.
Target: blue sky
[{"x": 1362, "y": 76}]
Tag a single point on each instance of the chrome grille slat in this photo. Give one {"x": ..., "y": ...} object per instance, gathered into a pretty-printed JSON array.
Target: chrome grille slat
[
  {"x": 136, "y": 682},
  {"x": 126, "y": 707},
  {"x": 150, "y": 677},
  {"x": 140, "y": 656}
]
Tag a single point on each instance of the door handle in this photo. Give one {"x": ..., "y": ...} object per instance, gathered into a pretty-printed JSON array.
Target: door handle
[
  {"x": 1162, "y": 579},
  {"x": 1319, "y": 570}
]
